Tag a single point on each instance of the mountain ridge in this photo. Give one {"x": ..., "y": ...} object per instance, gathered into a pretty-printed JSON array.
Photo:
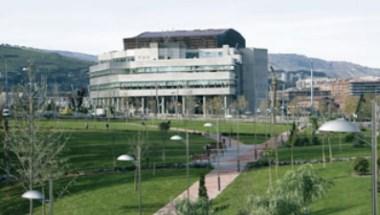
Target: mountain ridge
[{"x": 335, "y": 69}]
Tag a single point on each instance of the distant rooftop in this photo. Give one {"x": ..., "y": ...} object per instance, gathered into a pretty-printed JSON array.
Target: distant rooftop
[
  {"x": 366, "y": 79},
  {"x": 182, "y": 33},
  {"x": 208, "y": 38}
]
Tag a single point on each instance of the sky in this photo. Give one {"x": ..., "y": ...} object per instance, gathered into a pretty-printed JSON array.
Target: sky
[{"x": 343, "y": 30}]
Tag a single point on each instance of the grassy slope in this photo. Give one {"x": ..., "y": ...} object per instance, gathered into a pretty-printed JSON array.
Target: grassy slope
[
  {"x": 111, "y": 193},
  {"x": 350, "y": 194},
  {"x": 97, "y": 148}
]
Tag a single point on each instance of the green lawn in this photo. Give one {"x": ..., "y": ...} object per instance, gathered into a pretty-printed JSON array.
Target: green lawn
[
  {"x": 350, "y": 194},
  {"x": 227, "y": 125},
  {"x": 96, "y": 148},
  {"x": 339, "y": 147},
  {"x": 111, "y": 193}
]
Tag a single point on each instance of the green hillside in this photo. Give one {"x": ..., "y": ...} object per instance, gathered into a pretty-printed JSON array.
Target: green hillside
[{"x": 65, "y": 71}]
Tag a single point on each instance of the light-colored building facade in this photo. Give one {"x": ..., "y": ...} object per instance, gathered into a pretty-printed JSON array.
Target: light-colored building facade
[{"x": 163, "y": 71}]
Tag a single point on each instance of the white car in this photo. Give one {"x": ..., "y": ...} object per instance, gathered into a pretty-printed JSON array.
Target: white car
[{"x": 6, "y": 112}]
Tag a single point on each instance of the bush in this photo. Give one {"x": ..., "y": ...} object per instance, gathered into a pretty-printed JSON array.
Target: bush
[
  {"x": 202, "y": 190},
  {"x": 349, "y": 138},
  {"x": 358, "y": 141},
  {"x": 262, "y": 162},
  {"x": 302, "y": 141},
  {"x": 361, "y": 166}
]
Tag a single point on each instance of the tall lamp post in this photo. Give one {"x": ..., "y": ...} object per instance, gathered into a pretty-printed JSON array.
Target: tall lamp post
[
  {"x": 342, "y": 125},
  {"x": 137, "y": 163},
  {"x": 179, "y": 138},
  {"x": 33, "y": 195},
  {"x": 209, "y": 125},
  {"x": 229, "y": 116}
]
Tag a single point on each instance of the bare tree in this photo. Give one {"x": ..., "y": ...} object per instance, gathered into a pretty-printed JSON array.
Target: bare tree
[
  {"x": 216, "y": 105},
  {"x": 240, "y": 104},
  {"x": 36, "y": 149}
]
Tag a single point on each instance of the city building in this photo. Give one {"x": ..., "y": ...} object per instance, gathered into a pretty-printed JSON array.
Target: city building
[
  {"x": 364, "y": 85},
  {"x": 165, "y": 72}
]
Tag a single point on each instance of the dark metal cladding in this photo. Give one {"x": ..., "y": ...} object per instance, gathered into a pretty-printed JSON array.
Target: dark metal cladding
[{"x": 195, "y": 39}]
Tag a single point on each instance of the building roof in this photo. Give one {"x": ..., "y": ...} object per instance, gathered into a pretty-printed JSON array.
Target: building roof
[
  {"x": 208, "y": 38},
  {"x": 365, "y": 79},
  {"x": 183, "y": 33}
]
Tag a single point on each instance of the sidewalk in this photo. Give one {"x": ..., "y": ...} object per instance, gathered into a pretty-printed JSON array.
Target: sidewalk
[{"x": 227, "y": 168}]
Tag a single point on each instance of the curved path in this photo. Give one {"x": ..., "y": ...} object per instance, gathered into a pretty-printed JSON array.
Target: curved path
[{"x": 227, "y": 168}]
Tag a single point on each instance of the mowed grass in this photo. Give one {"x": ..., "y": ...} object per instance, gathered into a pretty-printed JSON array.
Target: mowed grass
[
  {"x": 111, "y": 193},
  {"x": 95, "y": 149},
  {"x": 339, "y": 148},
  {"x": 350, "y": 194},
  {"x": 226, "y": 126},
  {"x": 99, "y": 149}
]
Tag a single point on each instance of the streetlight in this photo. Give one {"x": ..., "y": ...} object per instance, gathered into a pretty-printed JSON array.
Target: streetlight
[
  {"x": 32, "y": 195},
  {"x": 229, "y": 116},
  {"x": 137, "y": 163},
  {"x": 179, "y": 138},
  {"x": 209, "y": 125},
  {"x": 342, "y": 125}
]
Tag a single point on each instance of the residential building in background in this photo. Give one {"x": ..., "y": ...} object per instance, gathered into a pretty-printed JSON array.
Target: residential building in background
[{"x": 165, "y": 72}]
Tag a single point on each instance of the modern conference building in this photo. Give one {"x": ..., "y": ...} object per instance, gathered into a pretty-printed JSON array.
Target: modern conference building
[{"x": 165, "y": 72}]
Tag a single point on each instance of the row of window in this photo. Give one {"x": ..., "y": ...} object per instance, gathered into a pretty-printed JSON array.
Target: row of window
[
  {"x": 163, "y": 69},
  {"x": 165, "y": 84}
]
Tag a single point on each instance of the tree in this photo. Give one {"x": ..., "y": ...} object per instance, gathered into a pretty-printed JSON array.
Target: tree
[
  {"x": 76, "y": 98},
  {"x": 215, "y": 106},
  {"x": 361, "y": 166},
  {"x": 350, "y": 105},
  {"x": 240, "y": 105},
  {"x": 292, "y": 140},
  {"x": 37, "y": 150},
  {"x": 202, "y": 191},
  {"x": 200, "y": 207},
  {"x": 292, "y": 194},
  {"x": 164, "y": 127},
  {"x": 190, "y": 103}
]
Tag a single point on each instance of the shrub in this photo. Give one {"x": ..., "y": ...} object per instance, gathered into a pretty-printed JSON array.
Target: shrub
[
  {"x": 202, "y": 192},
  {"x": 262, "y": 162},
  {"x": 361, "y": 166},
  {"x": 349, "y": 138},
  {"x": 358, "y": 141},
  {"x": 198, "y": 207},
  {"x": 302, "y": 141}
]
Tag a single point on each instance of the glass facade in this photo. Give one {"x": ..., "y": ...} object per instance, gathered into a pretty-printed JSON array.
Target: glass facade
[
  {"x": 164, "y": 84},
  {"x": 161, "y": 69}
]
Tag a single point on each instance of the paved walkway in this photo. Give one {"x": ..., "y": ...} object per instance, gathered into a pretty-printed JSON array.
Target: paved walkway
[{"x": 227, "y": 168}]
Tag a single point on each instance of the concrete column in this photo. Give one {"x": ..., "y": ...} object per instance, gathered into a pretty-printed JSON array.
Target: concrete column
[
  {"x": 204, "y": 106},
  {"x": 225, "y": 106},
  {"x": 117, "y": 108},
  {"x": 142, "y": 104},
  {"x": 183, "y": 105},
  {"x": 162, "y": 105}
]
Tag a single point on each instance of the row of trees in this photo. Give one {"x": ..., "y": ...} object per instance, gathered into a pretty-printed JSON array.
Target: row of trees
[
  {"x": 32, "y": 153},
  {"x": 293, "y": 194}
]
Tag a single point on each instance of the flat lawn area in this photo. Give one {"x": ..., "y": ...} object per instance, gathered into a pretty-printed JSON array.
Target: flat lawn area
[
  {"x": 310, "y": 152},
  {"x": 227, "y": 125},
  {"x": 99, "y": 149},
  {"x": 112, "y": 193},
  {"x": 350, "y": 194}
]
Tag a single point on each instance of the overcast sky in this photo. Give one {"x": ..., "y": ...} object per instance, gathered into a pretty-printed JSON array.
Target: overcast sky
[{"x": 346, "y": 30}]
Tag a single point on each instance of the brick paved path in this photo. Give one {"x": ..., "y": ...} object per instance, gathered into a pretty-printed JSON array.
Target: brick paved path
[{"x": 227, "y": 168}]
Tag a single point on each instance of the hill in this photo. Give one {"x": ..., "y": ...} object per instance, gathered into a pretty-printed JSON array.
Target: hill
[
  {"x": 67, "y": 72},
  {"x": 340, "y": 69}
]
